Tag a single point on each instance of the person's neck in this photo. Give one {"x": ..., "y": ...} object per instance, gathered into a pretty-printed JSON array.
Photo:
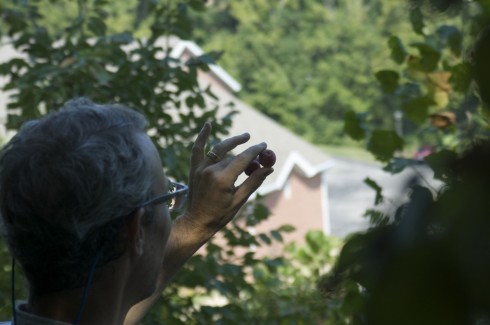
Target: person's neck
[{"x": 105, "y": 303}]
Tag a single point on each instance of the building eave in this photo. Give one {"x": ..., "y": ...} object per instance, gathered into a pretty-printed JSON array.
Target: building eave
[
  {"x": 294, "y": 160},
  {"x": 219, "y": 72}
]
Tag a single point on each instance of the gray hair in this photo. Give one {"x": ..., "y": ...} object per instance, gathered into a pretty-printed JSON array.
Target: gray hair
[{"x": 65, "y": 181}]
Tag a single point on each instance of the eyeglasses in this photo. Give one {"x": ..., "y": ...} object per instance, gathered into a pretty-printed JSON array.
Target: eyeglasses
[{"x": 176, "y": 197}]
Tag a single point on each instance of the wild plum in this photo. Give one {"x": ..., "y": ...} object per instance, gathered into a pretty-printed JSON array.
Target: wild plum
[{"x": 267, "y": 158}]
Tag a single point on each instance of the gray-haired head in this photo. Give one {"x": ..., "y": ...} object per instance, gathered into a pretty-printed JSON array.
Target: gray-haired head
[{"x": 66, "y": 180}]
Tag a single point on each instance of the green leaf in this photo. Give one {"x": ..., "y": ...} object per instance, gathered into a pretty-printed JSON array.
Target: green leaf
[
  {"x": 261, "y": 212},
  {"x": 461, "y": 77},
  {"x": 190, "y": 101},
  {"x": 273, "y": 263},
  {"x": 352, "y": 251},
  {"x": 408, "y": 90},
  {"x": 287, "y": 228},
  {"x": 378, "y": 189},
  {"x": 121, "y": 38},
  {"x": 352, "y": 126},
  {"x": 388, "y": 80},
  {"x": 440, "y": 163},
  {"x": 182, "y": 8},
  {"x": 276, "y": 235},
  {"x": 383, "y": 144},
  {"x": 429, "y": 56},
  {"x": 265, "y": 239},
  {"x": 417, "y": 109},
  {"x": 353, "y": 302},
  {"x": 397, "y": 165},
  {"x": 314, "y": 240},
  {"x": 14, "y": 121},
  {"x": 200, "y": 101},
  {"x": 417, "y": 20},
  {"x": 398, "y": 51},
  {"x": 102, "y": 76},
  {"x": 197, "y": 5},
  {"x": 376, "y": 217},
  {"x": 97, "y": 26},
  {"x": 452, "y": 36}
]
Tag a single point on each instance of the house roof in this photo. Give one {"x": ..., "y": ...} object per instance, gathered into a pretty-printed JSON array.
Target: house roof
[
  {"x": 292, "y": 151},
  {"x": 187, "y": 46}
]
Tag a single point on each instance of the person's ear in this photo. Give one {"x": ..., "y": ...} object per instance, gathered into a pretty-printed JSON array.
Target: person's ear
[{"x": 136, "y": 232}]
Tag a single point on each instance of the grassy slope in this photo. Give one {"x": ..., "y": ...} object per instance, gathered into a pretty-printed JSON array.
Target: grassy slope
[{"x": 349, "y": 152}]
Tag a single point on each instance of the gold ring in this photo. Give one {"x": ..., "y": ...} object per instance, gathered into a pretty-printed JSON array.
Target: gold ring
[{"x": 214, "y": 157}]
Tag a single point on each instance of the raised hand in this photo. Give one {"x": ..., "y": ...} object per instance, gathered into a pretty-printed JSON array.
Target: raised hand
[{"x": 214, "y": 196}]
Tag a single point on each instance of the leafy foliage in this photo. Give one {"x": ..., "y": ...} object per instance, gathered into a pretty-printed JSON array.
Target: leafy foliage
[
  {"x": 83, "y": 59},
  {"x": 429, "y": 87},
  {"x": 306, "y": 63},
  {"x": 401, "y": 269},
  {"x": 273, "y": 290}
]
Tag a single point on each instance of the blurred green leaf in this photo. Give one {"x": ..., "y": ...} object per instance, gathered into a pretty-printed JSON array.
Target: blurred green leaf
[
  {"x": 453, "y": 37},
  {"x": 266, "y": 239},
  {"x": 440, "y": 162},
  {"x": 198, "y": 5},
  {"x": 398, "y": 51},
  {"x": 461, "y": 76},
  {"x": 383, "y": 144},
  {"x": 417, "y": 20},
  {"x": 378, "y": 189},
  {"x": 429, "y": 56},
  {"x": 377, "y": 218},
  {"x": 352, "y": 126},
  {"x": 388, "y": 80},
  {"x": 97, "y": 26},
  {"x": 417, "y": 109},
  {"x": 261, "y": 212},
  {"x": 287, "y": 228},
  {"x": 277, "y": 235},
  {"x": 121, "y": 38}
]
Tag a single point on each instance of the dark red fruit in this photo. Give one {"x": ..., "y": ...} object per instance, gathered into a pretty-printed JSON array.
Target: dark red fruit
[
  {"x": 254, "y": 164},
  {"x": 267, "y": 158}
]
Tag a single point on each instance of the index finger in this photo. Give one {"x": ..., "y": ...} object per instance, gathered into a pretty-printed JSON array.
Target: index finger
[
  {"x": 199, "y": 145},
  {"x": 225, "y": 146},
  {"x": 240, "y": 162}
]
